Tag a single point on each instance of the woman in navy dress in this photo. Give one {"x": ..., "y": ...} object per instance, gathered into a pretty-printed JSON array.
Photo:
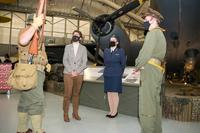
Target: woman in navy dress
[{"x": 114, "y": 61}]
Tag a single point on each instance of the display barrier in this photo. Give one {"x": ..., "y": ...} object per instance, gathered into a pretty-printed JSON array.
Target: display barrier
[
  {"x": 5, "y": 69},
  {"x": 182, "y": 105}
]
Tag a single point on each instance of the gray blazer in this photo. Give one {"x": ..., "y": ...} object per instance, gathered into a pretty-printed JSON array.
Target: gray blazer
[{"x": 75, "y": 63}]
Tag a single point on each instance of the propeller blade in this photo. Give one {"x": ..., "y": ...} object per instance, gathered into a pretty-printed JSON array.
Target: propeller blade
[
  {"x": 123, "y": 10},
  {"x": 8, "y": 1},
  {"x": 4, "y": 19},
  {"x": 116, "y": 7},
  {"x": 83, "y": 13}
]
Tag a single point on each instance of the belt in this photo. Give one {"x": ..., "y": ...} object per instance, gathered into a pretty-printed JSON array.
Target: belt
[{"x": 157, "y": 63}]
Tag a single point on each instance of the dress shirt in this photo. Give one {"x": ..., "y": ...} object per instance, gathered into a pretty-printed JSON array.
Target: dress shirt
[
  {"x": 113, "y": 48},
  {"x": 75, "y": 45}
]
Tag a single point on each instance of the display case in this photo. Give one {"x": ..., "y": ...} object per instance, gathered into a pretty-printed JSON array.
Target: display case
[
  {"x": 92, "y": 92},
  {"x": 95, "y": 74}
]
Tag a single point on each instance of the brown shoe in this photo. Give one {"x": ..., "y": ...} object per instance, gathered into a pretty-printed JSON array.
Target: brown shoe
[
  {"x": 28, "y": 131},
  {"x": 66, "y": 118},
  {"x": 76, "y": 116}
]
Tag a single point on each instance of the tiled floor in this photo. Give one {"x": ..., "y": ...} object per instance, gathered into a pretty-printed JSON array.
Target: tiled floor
[{"x": 93, "y": 120}]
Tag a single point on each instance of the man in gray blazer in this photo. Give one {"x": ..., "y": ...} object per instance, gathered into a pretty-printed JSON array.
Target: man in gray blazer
[{"x": 75, "y": 61}]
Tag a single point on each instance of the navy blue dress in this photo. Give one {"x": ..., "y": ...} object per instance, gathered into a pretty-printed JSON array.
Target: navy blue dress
[{"x": 114, "y": 67}]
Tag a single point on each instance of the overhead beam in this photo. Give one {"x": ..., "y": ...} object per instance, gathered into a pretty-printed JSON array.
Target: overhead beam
[
  {"x": 15, "y": 8},
  {"x": 133, "y": 26},
  {"x": 146, "y": 4}
]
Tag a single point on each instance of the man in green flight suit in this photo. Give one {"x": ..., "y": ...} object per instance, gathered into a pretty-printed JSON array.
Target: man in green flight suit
[{"x": 149, "y": 62}]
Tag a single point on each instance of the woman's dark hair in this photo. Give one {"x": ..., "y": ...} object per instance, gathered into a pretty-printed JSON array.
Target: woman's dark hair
[
  {"x": 118, "y": 39},
  {"x": 80, "y": 33}
]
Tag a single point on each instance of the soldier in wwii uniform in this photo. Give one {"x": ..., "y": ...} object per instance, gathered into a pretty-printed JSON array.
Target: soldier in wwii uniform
[
  {"x": 31, "y": 102},
  {"x": 149, "y": 62}
]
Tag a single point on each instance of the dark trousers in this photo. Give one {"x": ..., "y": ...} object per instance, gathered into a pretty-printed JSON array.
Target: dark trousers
[{"x": 72, "y": 87}]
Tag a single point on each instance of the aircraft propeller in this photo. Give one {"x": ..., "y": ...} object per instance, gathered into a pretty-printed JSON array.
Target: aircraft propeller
[{"x": 102, "y": 26}]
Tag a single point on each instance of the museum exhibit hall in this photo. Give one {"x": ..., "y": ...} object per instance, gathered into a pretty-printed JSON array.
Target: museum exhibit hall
[{"x": 93, "y": 66}]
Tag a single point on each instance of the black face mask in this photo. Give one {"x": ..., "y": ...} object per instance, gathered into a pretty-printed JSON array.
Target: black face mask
[
  {"x": 75, "y": 38},
  {"x": 145, "y": 32},
  {"x": 146, "y": 25},
  {"x": 112, "y": 44}
]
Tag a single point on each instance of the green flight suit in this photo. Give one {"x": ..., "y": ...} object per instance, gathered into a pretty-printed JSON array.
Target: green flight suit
[{"x": 150, "y": 113}]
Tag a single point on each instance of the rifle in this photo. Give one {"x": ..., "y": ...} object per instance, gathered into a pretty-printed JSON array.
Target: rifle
[{"x": 33, "y": 49}]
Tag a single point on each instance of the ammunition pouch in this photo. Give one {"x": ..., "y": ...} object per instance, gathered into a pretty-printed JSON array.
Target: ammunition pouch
[{"x": 23, "y": 77}]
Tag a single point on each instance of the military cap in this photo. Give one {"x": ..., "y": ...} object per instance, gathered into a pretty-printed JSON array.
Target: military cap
[{"x": 152, "y": 12}]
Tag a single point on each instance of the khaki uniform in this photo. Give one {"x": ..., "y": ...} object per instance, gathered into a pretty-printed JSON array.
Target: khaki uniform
[
  {"x": 31, "y": 102},
  {"x": 150, "y": 113}
]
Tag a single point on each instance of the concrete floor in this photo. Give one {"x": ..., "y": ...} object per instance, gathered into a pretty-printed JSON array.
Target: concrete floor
[{"x": 93, "y": 120}]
